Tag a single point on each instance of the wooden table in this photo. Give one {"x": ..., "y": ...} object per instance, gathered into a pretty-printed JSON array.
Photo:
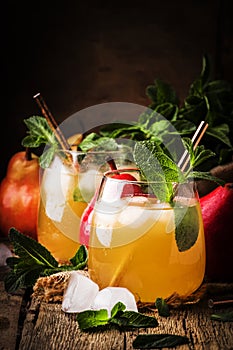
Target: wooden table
[{"x": 26, "y": 323}]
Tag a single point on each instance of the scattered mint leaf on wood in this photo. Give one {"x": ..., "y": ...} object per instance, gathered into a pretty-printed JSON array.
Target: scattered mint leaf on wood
[
  {"x": 159, "y": 341},
  {"x": 134, "y": 319},
  {"x": 33, "y": 260},
  {"x": 92, "y": 318},
  {"x": 120, "y": 317},
  {"x": 224, "y": 316},
  {"x": 118, "y": 307},
  {"x": 187, "y": 226},
  {"x": 162, "y": 306}
]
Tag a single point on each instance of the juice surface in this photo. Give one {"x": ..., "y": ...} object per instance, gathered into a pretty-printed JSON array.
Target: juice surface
[
  {"x": 59, "y": 215},
  {"x": 136, "y": 248}
]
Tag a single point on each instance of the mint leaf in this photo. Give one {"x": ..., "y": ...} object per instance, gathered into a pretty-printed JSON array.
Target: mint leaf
[
  {"x": 198, "y": 155},
  {"x": 77, "y": 195},
  {"x": 158, "y": 167},
  {"x": 162, "y": 306},
  {"x": 47, "y": 156},
  {"x": 33, "y": 261},
  {"x": 119, "y": 317},
  {"x": 30, "y": 250},
  {"x": 224, "y": 316},
  {"x": 92, "y": 318},
  {"x": 205, "y": 176},
  {"x": 187, "y": 226},
  {"x": 134, "y": 319},
  {"x": 118, "y": 307},
  {"x": 161, "y": 92},
  {"x": 39, "y": 133},
  {"x": 158, "y": 341},
  {"x": 220, "y": 132},
  {"x": 22, "y": 276},
  {"x": 79, "y": 261},
  {"x": 95, "y": 142}
]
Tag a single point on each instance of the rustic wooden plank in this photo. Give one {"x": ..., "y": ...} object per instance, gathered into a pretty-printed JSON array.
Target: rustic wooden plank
[
  {"x": 10, "y": 306},
  {"x": 195, "y": 323},
  {"x": 48, "y": 327}
]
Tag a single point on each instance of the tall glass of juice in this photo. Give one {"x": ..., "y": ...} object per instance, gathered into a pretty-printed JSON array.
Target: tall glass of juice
[{"x": 152, "y": 247}]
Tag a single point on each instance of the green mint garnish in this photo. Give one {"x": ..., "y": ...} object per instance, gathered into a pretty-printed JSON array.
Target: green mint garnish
[
  {"x": 187, "y": 226},
  {"x": 159, "y": 341},
  {"x": 34, "y": 260},
  {"x": 39, "y": 133},
  {"x": 96, "y": 143},
  {"x": 119, "y": 316},
  {"x": 77, "y": 195},
  {"x": 162, "y": 306},
  {"x": 158, "y": 167}
]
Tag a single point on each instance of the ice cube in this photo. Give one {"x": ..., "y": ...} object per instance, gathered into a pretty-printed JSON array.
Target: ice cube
[
  {"x": 88, "y": 182},
  {"x": 109, "y": 296},
  {"x": 79, "y": 294},
  {"x": 135, "y": 213},
  {"x": 55, "y": 186},
  {"x": 112, "y": 191},
  {"x": 104, "y": 235}
]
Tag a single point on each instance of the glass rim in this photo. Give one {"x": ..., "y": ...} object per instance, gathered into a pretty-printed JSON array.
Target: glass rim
[
  {"x": 107, "y": 175},
  {"x": 80, "y": 152}
]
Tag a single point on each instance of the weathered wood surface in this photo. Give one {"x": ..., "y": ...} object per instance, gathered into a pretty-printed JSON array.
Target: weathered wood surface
[
  {"x": 27, "y": 324},
  {"x": 10, "y": 306},
  {"x": 47, "y": 327}
]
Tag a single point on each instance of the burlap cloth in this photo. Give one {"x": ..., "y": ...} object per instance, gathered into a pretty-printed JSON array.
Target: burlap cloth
[{"x": 51, "y": 289}]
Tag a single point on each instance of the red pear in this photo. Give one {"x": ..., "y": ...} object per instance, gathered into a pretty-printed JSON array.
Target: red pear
[
  {"x": 19, "y": 194},
  {"x": 217, "y": 212}
]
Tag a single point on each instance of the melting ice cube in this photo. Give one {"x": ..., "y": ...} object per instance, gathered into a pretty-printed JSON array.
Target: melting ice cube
[
  {"x": 108, "y": 297},
  {"x": 79, "y": 294}
]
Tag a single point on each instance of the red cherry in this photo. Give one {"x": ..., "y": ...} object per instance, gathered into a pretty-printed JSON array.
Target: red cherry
[
  {"x": 129, "y": 189},
  {"x": 124, "y": 176}
]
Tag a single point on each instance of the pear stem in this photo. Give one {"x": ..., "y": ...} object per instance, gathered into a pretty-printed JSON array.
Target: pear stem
[{"x": 28, "y": 153}]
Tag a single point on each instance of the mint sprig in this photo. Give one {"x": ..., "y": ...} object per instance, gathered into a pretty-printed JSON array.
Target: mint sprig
[
  {"x": 120, "y": 317},
  {"x": 39, "y": 133},
  {"x": 33, "y": 260},
  {"x": 158, "y": 168}
]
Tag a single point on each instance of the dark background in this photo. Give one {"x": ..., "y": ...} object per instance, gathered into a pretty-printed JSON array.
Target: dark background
[{"x": 78, "y": 54}]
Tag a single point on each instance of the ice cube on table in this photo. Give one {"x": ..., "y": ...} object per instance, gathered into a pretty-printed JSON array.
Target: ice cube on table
[
  {"x": 109, "y": 296},
  {"x": 79, "y": 294}
]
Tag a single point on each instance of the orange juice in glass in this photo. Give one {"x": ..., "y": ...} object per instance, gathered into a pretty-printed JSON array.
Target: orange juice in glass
[
  {"x": 153, "y": 248},
  {"x": 67, "y": 186}
]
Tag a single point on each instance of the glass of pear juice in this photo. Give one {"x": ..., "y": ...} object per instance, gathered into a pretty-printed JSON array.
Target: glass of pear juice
[
  {"x": 67, "y": 187},
  {"x": 154, "y": 248}
]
